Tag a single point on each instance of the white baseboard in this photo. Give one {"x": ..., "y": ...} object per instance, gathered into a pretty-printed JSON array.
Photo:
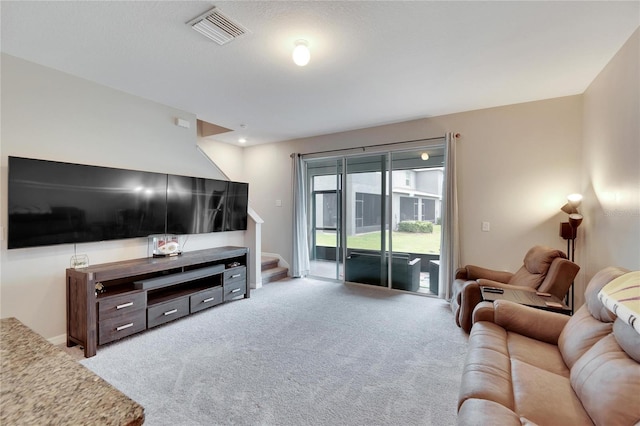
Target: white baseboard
[{"x": 58, "y": 340}]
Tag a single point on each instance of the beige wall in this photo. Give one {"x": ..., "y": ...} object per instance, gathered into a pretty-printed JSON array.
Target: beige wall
[
  {"x": 228, "y": 158},
  {"x": 610, "y": 234},
  {"x": 51, "y": 115},
  {"x": 516, "y": 165}
]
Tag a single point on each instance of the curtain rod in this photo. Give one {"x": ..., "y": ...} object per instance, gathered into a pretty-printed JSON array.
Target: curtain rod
[{"x": 457, "y": 135}]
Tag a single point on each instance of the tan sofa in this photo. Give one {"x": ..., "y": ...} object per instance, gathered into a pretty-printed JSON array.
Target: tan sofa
[
  {"x": 533, "y": 367},
  {"x": 544, "y": 269}
]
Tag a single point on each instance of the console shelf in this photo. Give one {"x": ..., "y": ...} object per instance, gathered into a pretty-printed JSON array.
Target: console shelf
[{"x": 110, "y": 301}]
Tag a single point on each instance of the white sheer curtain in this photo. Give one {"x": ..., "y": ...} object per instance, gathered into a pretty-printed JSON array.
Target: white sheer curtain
[
  {"x": 450, "y": 241},
  {"x": 300, "y": 262}
]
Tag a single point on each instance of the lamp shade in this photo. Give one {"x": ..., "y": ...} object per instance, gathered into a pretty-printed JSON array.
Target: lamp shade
[
  {"x": 575, "y": 220},
  {"x": 574, "y": 199},
  {"x": 573, "y": 202}
]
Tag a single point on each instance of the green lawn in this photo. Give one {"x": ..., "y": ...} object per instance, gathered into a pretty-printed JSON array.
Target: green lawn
[{"x": 402, "y": 241}]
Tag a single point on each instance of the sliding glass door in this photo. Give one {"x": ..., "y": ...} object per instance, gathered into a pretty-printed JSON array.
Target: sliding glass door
[
  {"x": 324, "y": 181},
  {"x": 366, "y": 224},
  {"x": 384, "y": 209},
  {"x": 416, "y": 216}
]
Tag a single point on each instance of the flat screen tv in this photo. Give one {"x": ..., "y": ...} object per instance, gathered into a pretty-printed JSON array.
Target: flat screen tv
[
  {"x": 198, "y": 205},
  {"x": 235, "y": 218},
  {"x": 195, "y": 205},
  {"x": 55, "y": 203}
]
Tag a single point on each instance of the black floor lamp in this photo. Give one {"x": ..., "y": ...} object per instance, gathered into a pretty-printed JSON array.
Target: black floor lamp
[{"x": 569, "y": 230}]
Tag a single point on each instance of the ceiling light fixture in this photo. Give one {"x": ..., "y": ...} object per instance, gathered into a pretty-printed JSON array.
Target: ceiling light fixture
[
  {"x": 424, "y": 156},
  {"x": 242, "y": 140},
  {"x": 301, "y": 54}
]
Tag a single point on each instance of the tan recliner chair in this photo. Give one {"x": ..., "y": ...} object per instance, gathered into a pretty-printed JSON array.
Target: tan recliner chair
[{"x": 545, "y": 269}]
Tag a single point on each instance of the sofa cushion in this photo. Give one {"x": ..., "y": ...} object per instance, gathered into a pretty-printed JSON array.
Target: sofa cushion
[
  {"x": 607, "y": 381},
  {"x": 487, "y": 369},
  {"x": 524, "y": 278},
  {"x": 544, "y": 397},
  {"x": 591, "y": 322},
  {"x": 581, "y": 333},
  {"x": 536, "y": 353}
]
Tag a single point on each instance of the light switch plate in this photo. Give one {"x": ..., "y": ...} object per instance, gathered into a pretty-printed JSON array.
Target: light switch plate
[{"x": 486, "y": 227}]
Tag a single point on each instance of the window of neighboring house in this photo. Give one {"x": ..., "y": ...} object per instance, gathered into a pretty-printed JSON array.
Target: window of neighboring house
[
  {"x": 408, "y": 208},
  {"x": 329, "y": 205},
  {"x": 429, "y": 209},
  {"x": 368, "y": 209}
]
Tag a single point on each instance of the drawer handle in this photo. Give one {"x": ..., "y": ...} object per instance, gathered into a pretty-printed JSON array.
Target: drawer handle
[
  {"x": 235, "y": 290},
  {"x": 173, "y": 311},
  {"x": 122, "y": 327},
  {"x": 236, "y": 275},
  {"x": 124, "y": 305},
  {"x": 211, "y": 299}
]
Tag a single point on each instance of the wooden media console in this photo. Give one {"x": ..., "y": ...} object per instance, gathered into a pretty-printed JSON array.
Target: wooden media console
[{"x": 110, "y": 301}]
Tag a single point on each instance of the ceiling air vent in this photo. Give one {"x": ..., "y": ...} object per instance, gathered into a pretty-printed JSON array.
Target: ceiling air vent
[{"x": 214, "y": 25}]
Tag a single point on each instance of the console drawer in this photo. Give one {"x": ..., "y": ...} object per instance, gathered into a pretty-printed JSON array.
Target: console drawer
[
  {"x": 121, "y": 305},
  {"x": 205, "y": 299},
  {"x": 234, "y": 289},
  {"x": 121, "y": 326},
  {"x": 167, "y": 311},
  {"x": 235, "y": 274}
]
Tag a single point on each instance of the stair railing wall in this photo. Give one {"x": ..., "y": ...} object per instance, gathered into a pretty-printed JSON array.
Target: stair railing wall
[{"x": 253, "y": 240}]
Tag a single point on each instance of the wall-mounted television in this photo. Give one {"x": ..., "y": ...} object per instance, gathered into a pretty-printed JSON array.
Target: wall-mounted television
[
  {"x": 53, "y": 202},
  {"x": 195, "y": 205}
]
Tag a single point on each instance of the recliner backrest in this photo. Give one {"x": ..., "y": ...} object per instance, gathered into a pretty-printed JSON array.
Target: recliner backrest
[
  {"x": 559, "y": 277},
  {"x": 591, "y": 322},
  {"x": 535, "y": 266}
]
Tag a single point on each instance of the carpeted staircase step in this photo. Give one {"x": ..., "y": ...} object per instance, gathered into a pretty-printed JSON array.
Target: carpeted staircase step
[
  {"x": 271, "y": 271},
  {"x": 274, "y": 274},
  {"x": 269, "y": 262}
]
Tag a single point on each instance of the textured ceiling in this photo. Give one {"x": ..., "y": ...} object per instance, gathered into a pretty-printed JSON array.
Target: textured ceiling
[{"x": 371, "y": 62}]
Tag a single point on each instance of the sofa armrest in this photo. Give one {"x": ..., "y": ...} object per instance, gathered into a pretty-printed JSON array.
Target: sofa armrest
[
  {"x": 531, "y": 322},
  {"x": 468, "y": 297},
  {"x": 483, "y": 311},
  {"x": 477, "y": 272},
  {"x": 461, "y": 274}
]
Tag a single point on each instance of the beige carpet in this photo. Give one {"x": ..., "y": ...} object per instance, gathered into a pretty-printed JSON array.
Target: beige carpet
[{"x": 298, "y": 352}]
